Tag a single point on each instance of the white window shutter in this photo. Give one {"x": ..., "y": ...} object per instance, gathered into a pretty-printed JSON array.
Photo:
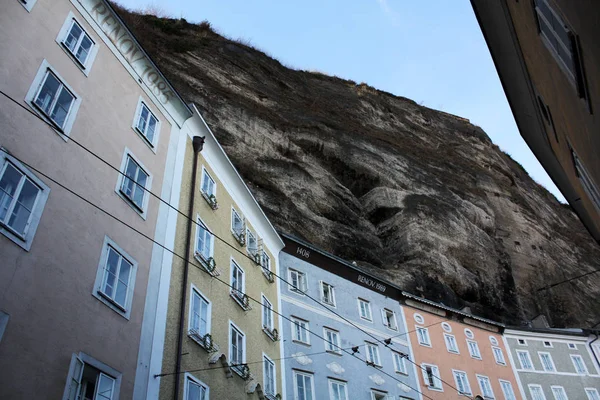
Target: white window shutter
[
  {"x": 425, "y": 378},
  {"x": 436, "y": 376},
  {"x": 75, "y": 372},
  {"x": 383, "y": 318}
]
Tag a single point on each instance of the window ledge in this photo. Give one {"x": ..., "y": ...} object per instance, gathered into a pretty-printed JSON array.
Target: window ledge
[
  {"x": 268, "y": 274},
  {"x": 114, "y": 303},
  {"x": 335, "y": 353},
  {"x": 271, "y": 333},
  {"x": 402, "y": 373},
  {"x": 245, "y": 305},
  {"x": 141, "y": 212},
  {"x": 210, "y": 199},
  {"x": 300, "y": 342},
  {"x": 49, "y": 120}
]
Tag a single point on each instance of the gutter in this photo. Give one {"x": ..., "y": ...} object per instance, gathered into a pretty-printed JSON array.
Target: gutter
[
  {"x": 592, "y": 349},
  {"x": 197, "y": 144}
]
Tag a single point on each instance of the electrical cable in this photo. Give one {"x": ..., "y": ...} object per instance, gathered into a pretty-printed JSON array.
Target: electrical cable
[
  {"x": 193, "y": 264},
  {"x": 202, "y": 226},
  {"x": 568, "y": 280}
]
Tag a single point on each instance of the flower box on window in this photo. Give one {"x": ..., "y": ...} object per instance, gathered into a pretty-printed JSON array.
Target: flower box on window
[
  {"x": 242, "y": 370},
  {"x": 273, "y": 334},
  {"x": 209, "y": 264},
  {"x": 240, "y": 237},
  {"x": 211, "y": 199},
  {"x": 269, "y": 275},
  {"x": 205, "y": 341},
  {"x": 242, "y": 299}
]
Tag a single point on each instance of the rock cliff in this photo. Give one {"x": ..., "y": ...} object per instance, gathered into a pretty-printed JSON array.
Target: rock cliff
[{"x": 420, "y": 197}]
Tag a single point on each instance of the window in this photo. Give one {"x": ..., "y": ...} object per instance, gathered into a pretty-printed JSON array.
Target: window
[
  {"x": 303, "y": 386},
  {"x": 237, "y": 224},
  {"x": 579, "y": 364},
  {"x": 419, "y": 318},
  {"x": 134, "y": 183},
  {"x": 547, "y": 363},
  {"x": 451, "y": 343},
  {"x": 462, "y": 382},
  {"x": 91, "y": 380},
  {"x": 446, "y": 327},
  {"x": 522, "y": 342},
  {"x": 377, "y": 395},
  {"x": 300, "y": 330},
  {"x": 559, "y": 393},
  {"x": 238, "y": 285},
  {"x": 493, "y": 341},
  {"x": 208, "y": 185},
  {"x": 200, "y": 312},
  {"x": 524, "y": 359},
  {"x": 194, "y": 389},
  {"x": 28, "y": 4},
  {"x": 499, "y": 355},
  {"x": 572, "y": 346},
  {"x": 265, "y": 261},
  {"x": 269, "y": 376},
  {"x": 77, "y": 42},
  {"x": 400, "y": 363},
  {"x": 337, "y": 390},
  {"x": 592, "y": 394},
  {"x": 267, "y": 314},
  {"x": 373, "y": 353},
  {"x": 4, "y": 317},
  {"x": 252, "y": 243},
  {"x": 423, "y": 336},
  {"x": 389, "y": 319},
  {"x": 536, "y": 392},
  {"x": 562, "y": 43},
  {"x": 327, "y": 294},
  {"x": 431, "y": 376},
  {"x": 116, "y": 280},
  {"x": 547, "y": 343},
  {"x": 54, "y": 100},
  {"x": 146, "y": 124},
  {"x": 474, "y": 349},
  {"x": 507, "y": 390},
  {"x": 585, "y": 179},
  {"x": 469, "y": 333},
  {"x": 204, "y": 241},
  {"x": 364, "y": 309},
  {"x": 297, "y": 280},
  {"x": 237, "y": 348},
  {"x": 22, "y": 200},
  {"x": 486, "y": 387},
  {"x": 332, "y": 340}
]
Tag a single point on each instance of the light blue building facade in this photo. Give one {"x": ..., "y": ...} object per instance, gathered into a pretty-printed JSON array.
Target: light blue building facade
[{"x": 317, "y": 365}]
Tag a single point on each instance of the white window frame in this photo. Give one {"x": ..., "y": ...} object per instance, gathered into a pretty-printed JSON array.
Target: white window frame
[
  {"x": 331, "y": 382},
  {"x": 573, "y": 357},
  {"x": 528, "y": 357},
  {"x": 267, "y": 359},
  {"x": 35, "y": 87},
  {"x": 205, "y": 175},
  {"x": 448, "y": 336},
  {"x": 337, "y": 347},
  {"x": 591, "y": 392},
  {"x": 469, "y": 334},
  {"x": 545, "y": 353},
  {"x": 499, "y": 360},
  {"x": 437, "y": 380},
  {"x": 494, "y": 341},
  {"x": 256, "y": 249},
  {"x": 191, "y": 378},
  {"x": 100, "y": 366},
  {"x": 481, "y": 378},
  {"x": 208, "y": 233},
  {"x": 62, "y": 36},
  {"x": 196, "y": 292},
  {"x": 524, "y": 342},
  {"x": 232, "y": 226},
  {"x": 312, "y": 383},
  {"x": 563, "y": 394},
  {"x": 304, "y": 280},
  {"x": 25, "y": 241},
  {"x": 503, "y": 386},
  {"x": 419, "y": 318},
  {"x": 270, "y": 326},
  {"x": 125, "y": 311},
  {"x": 367, "y": 307},
  {"x": 28, "y": 4},
  {"x": 585, "y": 179},
  {"x": 134, "y": 124},
  {"x": 471, "y": 353},
  {"x": 572, "y": 346},
  {"x": 148, "y": 187},
  {"x": 446, "y": 327},
  {"x": 379, "y": 395},
  {"x": 427, "y": 342},
  {"x": 369, "y": 357},
  {"x": 384, "y": 312},
  {"x": 234, "y": 265},
  {"x": 531, "y": 386},
  {"x": 549, "y": 345},
  {"x": 322, "y": 286},
  {"x": 399, "y": 363},
  {"x": 457, "y": 374},
  {"x": 305, "y": 329},
  {"x": 233, "y": 326}
]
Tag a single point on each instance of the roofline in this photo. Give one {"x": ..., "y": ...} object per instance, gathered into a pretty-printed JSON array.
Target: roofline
[
  {"x": 110, "y": 6},
  {"x": 403, "y": 293}
]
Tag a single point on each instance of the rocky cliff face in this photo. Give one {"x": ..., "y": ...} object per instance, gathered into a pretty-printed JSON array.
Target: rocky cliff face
[{"x": 420, "y": 197}]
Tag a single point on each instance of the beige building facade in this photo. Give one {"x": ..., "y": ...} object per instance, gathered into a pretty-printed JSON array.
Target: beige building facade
[
  {"x": 85, "y": 117},
  {"x": 227, "y": 332}
]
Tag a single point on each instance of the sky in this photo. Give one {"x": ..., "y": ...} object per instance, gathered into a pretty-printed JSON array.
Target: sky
[{"x": 432, "y": 52}]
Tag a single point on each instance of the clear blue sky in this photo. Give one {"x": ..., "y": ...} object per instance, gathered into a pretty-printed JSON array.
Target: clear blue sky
[{"x": 430, "y": 51}]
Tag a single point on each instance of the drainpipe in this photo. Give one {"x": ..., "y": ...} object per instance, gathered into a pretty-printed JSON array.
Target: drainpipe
[{"x": 197, "y": 144}]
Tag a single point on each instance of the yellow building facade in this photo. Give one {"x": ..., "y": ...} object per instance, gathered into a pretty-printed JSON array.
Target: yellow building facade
[{"x": 227, "y": 333}]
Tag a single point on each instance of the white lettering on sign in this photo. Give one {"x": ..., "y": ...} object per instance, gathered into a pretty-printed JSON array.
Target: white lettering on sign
[
  {"x": 371, "y": 283},
  {"x": 303, "y": 252},
  {"x": 125, "y": 44}
]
